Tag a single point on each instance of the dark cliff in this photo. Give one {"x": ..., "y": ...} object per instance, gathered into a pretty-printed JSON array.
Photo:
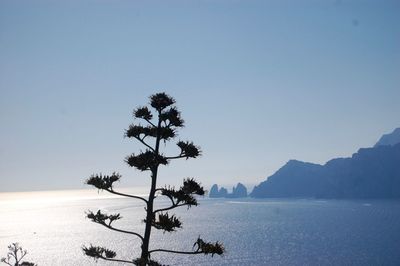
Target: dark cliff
[{"x": 369, "y": 173}]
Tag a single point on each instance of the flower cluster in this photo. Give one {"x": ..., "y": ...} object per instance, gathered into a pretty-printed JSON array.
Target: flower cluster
[
  {"x": 138, "y": 131},
  {"x": 103, "y": 182},
  {"x": 146, "y": 160},
  {"x": 98, "y": 252},
  {"x": 184, "y": 195},
  {"x": 143, "y": 112},
  {"x": 102, "y": 218},
  {"x": 160, "y": 101},
  {"x": 188, "y": 149},
  {"x": 208, "y": 248},
  {"x": 141, "y": 132},
  {"x": 173, "y": 116},
  {"x": 166, "y": 222},
  {"x": 190, "y": 186}
]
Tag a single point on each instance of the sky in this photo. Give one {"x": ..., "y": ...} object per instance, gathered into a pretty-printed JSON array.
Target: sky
[{"x": 258, "y": 83}]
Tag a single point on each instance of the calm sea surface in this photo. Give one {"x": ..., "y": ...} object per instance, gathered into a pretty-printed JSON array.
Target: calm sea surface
[{"x": 255, "y": 232}]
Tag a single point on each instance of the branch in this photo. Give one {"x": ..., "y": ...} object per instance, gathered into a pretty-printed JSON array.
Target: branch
[
  {"x": 171, "y": 207},
  {"x": 23, "y": 254},
  {"x": 169, "y": 196},
  {"x": 4, "y": 260},
  {"x": 144, "y": 113},
  {"x": 176, "y": 252},
  {"x": 102, "y": 253},
  {"x": 200, "y": 247},
  {"x": 144, "y": 143},
  {"x": 117, "y": 260},
  {"x": 106, "y": 183},
  {"x": 126, "y": 195},
  {"x": 175, "y": 157},
  {"x": 14, "y": 252},
  {"x": 106, "y": 220},
  {"x": 148, "y": 121},
  {"x": 123, "y": 231}
]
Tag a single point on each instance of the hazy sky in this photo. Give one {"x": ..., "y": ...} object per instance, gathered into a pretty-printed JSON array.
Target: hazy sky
[{"x": 258, "y": 83}]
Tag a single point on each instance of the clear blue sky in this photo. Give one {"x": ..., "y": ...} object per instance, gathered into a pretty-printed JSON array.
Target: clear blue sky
[{"x": 258, "y": 83}]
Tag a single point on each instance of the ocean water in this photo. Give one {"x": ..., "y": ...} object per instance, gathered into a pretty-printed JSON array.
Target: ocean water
[{"x": 53, "y": 229}]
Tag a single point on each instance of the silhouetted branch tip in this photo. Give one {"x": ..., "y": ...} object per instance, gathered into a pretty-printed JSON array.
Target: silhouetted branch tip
[
  {"x": 172, "y": 117},
  {"x": 102, "y": 218},
  {"x": 179, "y": 197},
  {"x": 208, "y": 248},
  {"x": 143, "y": 112},
  {"x": 98, "y": 252},
  {"x": 191, "y": 186},
  {"x": 140, "y": 132},
  {"x": 160, "y": 101},
  {"x": 166, "y": 133},
  {"x": 166, "y": 223},
  {"x": 188, "y": 149},
  {"x": 146, "y": 160},
  {"x": 184, "y": 196},
  {"x": 105, "y": 182}
]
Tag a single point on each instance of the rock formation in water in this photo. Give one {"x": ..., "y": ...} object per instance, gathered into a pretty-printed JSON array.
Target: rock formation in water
[
  {"x": 369, "y": 173},
  {"x": 239, "y": 191},
  {"x": 214, "y": 192},
  {"x": 217, "y": 193},
  {"x": 223, "y": 192}
]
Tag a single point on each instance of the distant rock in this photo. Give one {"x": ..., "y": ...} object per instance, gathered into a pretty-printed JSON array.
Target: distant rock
[
  {"x": 217, "y": 193},
  {"x": 214, "y": 192},
  {"x": 389, "y": 139},
  {"x": 239, "y": 191},
  {"x": 223, "y": 192}
]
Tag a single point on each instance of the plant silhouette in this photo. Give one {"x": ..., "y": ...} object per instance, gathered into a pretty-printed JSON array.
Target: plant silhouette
[
  {"x": 15, "y": 255},
  {"x": 161, "y": 127}
]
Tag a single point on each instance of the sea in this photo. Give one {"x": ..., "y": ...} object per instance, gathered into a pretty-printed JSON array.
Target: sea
[{"x": 52, "y": 227}]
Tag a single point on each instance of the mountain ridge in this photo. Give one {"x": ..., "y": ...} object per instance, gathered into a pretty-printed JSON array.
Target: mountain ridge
[
  {"x": 369, "y": 173},
  {"x": 389, "y": 139}
]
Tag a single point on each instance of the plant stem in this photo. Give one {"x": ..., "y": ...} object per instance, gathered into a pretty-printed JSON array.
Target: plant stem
[{"x": 150, "y": 215}]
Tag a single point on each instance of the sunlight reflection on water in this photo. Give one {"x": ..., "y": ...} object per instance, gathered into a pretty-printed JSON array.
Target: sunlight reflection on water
[{"x": 52, "y": 227}]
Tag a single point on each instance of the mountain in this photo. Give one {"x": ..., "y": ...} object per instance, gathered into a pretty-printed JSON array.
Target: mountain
[
  {"x": 369, "y": 173},
  {"x": 294, "y": 179},
  {"x": 389, "y": 139}
]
